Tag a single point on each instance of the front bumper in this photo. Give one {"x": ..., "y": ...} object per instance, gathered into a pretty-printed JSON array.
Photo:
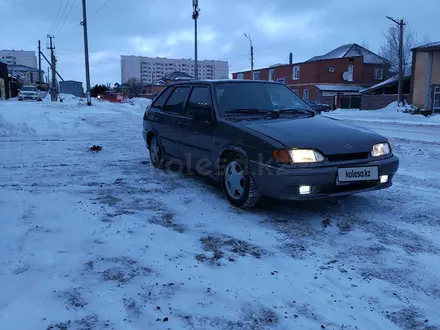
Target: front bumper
[
  {"x": 284, "y": 183},
  {"x": 28, "y": 97}
]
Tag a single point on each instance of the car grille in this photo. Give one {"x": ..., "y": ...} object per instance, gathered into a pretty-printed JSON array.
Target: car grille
[{"x": 347, "y": 157}]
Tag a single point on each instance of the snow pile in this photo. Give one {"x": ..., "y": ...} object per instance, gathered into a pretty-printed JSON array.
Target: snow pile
[
  {"x": 70, "y": 117},
  {"x": 390, "y": 114},
  {"x": 8, "y": 129}
]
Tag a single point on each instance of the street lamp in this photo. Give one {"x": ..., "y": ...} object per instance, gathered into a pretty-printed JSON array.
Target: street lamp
[{"x": 195, "y": 16}]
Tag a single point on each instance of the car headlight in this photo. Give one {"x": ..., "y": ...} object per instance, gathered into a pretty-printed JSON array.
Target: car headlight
[
  {"x": 305, "y": 156},
  {"x": 297, "y": 156},
  {"x": 381, "y": 149}
]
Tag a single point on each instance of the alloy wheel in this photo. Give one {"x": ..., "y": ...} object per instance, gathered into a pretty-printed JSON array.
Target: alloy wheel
[{"x": 234, "y": 180}]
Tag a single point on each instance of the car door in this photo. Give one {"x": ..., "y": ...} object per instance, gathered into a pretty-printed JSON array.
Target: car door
[
  {"x": 166, "y": 119},
  {"x": 195, "y": 135}
]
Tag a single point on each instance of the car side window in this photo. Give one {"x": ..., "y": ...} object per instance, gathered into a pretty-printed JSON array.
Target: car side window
[
  {"x": 160, "y": 101},
  {"x": 176, "y": 102},
  {"x": 200, "y": 99}
]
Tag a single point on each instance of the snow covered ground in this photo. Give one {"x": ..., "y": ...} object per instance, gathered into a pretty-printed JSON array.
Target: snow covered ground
[{"x": 104, "y": 241}]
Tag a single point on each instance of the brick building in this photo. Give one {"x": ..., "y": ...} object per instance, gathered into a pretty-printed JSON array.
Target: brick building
[{"x": 342, "y": 72}]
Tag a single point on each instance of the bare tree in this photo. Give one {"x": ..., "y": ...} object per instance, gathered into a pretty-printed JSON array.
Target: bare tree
[
  {"x": 390, "y": 48},
  {"x": 135, "y": 87},
  {"x": 365, "y": 45}
]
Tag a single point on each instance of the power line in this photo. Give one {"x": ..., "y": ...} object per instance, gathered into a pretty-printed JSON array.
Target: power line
[
  {"x": 94, "y": 12},
  {"x": 68, "y": 14},
  {"x": 101, "y": 7},
  {"x": 64, "y": 11},
  {"x": 56, "y": 17}
]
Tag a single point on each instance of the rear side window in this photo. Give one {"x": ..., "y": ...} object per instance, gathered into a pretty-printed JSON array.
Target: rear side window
[
  {"x": 160, "y": 101},
  {"x": 176, "y": 102},
  {"x": 200, "y": 98}
]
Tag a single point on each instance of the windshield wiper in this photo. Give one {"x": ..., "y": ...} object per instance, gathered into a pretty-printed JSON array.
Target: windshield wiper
[
  {"x": 248, "y": 111},
  {"x": 310, "y": 112}
]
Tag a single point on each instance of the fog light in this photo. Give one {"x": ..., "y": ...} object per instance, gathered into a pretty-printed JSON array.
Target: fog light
[
  {"x": 383, "y": 178},
  {"x": 305, "y": 190}
]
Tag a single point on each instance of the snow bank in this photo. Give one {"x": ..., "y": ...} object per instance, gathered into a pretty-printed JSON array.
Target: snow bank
[
  {"x": 8, "y": 129},
  {"x": 72, "y": 116},
  {"x": 390, "y": 114}
]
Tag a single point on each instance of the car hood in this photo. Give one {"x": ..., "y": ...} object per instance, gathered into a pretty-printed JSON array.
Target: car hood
[{"x": 328, "y": 135}]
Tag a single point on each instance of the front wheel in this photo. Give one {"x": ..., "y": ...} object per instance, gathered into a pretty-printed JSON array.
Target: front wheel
[
  {"x": 238, "y": 184},
  {"x": 156, "y": 152}
]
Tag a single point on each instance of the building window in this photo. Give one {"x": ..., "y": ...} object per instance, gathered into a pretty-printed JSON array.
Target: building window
[
  {"x": 256, "y": 75},
  {"x": 239, "y": 75},
  {"x": 306, "y": 94},
  {"x": 296, "y": 91},
  {"x": 281, "y": 80},
  {"x": 350, "y": 72},
  {"x": 295, "y": 75},
  {"x": 378, "y": 73},
  {"x": 271, "y": 75},
  {"x": 331, "y": 69}
]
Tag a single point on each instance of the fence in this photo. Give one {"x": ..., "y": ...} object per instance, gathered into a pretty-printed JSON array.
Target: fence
[{"x": 374, "y": 102}]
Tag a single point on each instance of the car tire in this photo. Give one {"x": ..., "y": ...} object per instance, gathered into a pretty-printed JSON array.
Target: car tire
[
  {"x": 248, "y": 196},
  {"x": 156, "y": 152}
]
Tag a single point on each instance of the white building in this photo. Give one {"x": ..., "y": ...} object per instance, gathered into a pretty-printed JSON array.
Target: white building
[
  {"x": 19, "y": 57},
  {"x": 150, "y": 69}
]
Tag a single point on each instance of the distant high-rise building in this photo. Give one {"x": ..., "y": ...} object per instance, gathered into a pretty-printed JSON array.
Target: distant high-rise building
[
  {"x": 19, "y": 57},
  {"x": 151, "y": 69}
]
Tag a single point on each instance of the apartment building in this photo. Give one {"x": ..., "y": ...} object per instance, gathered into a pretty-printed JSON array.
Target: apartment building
[
  {"x": 344, "y": 71},
  {"x": 19, "y": 57},
  {"x": 151, "y": 69}
]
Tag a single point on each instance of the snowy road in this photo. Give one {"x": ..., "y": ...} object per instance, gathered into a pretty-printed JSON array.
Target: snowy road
[{"x": 104, "y": 241}]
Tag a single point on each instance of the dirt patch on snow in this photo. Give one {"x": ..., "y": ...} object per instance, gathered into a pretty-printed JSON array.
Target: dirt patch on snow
[{"x": 227, "y": 248}]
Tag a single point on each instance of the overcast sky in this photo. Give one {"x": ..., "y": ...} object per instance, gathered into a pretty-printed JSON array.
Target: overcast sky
[{"x": 165, "y": 28}]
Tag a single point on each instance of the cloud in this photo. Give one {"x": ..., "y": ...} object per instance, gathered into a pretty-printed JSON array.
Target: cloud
[
  {"x": 301, "y": 25},
  {"x": 165, "y": 28}
]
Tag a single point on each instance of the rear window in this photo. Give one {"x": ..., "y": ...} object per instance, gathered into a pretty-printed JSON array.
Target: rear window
[{"x": 252, "y": 95}]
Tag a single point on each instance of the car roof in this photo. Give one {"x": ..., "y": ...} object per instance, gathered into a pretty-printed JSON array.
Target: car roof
[{"x": 222, "y": 81}]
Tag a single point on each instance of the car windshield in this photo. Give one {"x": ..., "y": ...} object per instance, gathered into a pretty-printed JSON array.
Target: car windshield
[
  {"x": 28, "y": 89},
  {"x": 257, "y": 96}
]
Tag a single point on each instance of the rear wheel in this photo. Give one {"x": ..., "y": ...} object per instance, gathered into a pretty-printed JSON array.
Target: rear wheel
[
  {"x": 156, "y": 152},
  {"x": 238, "y": 183}
]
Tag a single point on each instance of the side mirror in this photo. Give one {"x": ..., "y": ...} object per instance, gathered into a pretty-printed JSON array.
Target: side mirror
[{"x": 202, "y": 113}]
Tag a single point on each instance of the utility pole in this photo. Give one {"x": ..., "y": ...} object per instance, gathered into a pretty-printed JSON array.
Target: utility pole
[
  {"x": 48, "y": 62},
  {"x": 39, "y": 64},
  {"x": 400, "y": 23},
  {"x": 53, "y": 86},
  {"x": 252, "y": 54},
  {"x": 86, "y": 53},
  {"x": 195, "y": 16}
]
